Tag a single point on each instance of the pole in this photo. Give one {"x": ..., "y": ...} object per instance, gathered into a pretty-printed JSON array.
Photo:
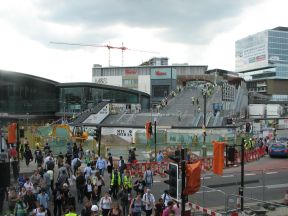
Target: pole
[
  {"x": 18, "y": 143},
  {"x": 204, "y": 149},
  {"x": 99, "y": 143},
  {"x": 183, "y": 169},
  {"x": 155, "y": 150},
  {"x": 204, "y": 96},
  {"x": 241, "y": 189}
]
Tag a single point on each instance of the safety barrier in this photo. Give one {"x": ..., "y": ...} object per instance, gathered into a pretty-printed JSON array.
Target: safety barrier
[
  {"x": 138, "y": 169},
  {"x": 158, "y": 168},
  {"x": 203, "y": 210}
]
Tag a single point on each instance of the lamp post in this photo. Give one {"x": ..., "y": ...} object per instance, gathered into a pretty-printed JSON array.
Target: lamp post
[
  {"x": 155, "y": 137},
  {"x": 204, "y": 147}
]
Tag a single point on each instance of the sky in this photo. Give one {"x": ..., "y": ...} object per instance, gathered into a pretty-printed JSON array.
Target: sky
[{"x": 186, "y": 31}]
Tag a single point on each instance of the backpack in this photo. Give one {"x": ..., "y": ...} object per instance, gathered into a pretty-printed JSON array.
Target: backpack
[{"x": 50, "y": 165}]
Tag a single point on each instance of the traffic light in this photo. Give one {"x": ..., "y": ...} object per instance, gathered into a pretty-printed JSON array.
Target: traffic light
[
  {"x": 173, "y": 180},
  {"x": 97, "y": 134},
  {"x": 149, "y": 129},
  {"x": 248, "y": 127},
  {"x": 21, "y": 132}
]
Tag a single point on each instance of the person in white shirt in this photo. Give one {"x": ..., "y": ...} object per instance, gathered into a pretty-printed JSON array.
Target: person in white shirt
[
  {"x": 88, "y": 171},
  {"x": 149, "y": 201},
  {"x": 75, "y": 164},
  {"x": 166, "y": 198}
]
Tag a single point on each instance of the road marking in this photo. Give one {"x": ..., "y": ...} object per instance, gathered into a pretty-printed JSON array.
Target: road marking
[
  {"x": 227, "y": 176},
  {"x": 157, "y": 181},
  {"x": 269, "y": 173},
  {"x": 277, "y": 186},
  {"x": 250, "y": 174},
  {"x": 206, "y": 177}
]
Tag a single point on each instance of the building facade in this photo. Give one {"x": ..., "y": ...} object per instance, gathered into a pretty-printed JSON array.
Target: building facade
[
  {"x": 24, "y": 96},
  {"x": 262, "y": 58},
  {"x": 157, "y": 81}
]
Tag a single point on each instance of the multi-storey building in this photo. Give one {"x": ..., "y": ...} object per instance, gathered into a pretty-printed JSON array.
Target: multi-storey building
[
  {"x": 154, "y": 79},
  {"x": 262, "y": 58}
]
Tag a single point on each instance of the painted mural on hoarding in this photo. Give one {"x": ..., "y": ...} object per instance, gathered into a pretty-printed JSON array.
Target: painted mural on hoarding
[{"x": 191, "y": 137}]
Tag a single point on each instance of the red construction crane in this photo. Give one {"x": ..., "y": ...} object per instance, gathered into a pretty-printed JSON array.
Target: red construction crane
[{"x": 108, "y": 46}]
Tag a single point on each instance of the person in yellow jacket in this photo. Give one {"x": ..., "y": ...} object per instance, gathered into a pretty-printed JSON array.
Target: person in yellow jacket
[
  {"x": 71, "y": 212},
  {"x": 127, "y": 181},
  {"x": 115, "y": 182}
]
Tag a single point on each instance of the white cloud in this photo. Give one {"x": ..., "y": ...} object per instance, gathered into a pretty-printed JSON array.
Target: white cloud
[{"x": 27, "y": 28}]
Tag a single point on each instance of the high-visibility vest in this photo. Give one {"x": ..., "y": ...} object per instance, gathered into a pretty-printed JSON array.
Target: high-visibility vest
[
  {"x": 127, "y": 181},
  {"x": 71, "y": 214},
  {"x": 113, "y": 180}
]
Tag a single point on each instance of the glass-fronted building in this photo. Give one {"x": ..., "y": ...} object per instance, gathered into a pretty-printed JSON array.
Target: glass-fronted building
[
  {"x": 24, "y": 96},
  {"x": 76, "y": 97},
  {"x": 262, "y": 57}
]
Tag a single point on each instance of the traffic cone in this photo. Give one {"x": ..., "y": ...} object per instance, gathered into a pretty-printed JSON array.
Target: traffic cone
[{"x": 286, "y": 198}]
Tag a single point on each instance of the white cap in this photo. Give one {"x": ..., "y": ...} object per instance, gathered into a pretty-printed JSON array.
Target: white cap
[
  {"x": 65, "y": 185},
  {"x": 94, "y": 208}
]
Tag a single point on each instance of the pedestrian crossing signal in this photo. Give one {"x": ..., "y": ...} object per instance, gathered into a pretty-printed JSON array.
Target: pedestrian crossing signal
[{"x": 172, "y": 181}]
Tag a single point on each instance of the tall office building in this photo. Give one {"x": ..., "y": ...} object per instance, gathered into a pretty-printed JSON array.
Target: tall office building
[{"x": 262, "y": 58}]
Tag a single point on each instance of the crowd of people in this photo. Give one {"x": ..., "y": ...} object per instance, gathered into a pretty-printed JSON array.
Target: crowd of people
[{"x": 75, "y": 181}]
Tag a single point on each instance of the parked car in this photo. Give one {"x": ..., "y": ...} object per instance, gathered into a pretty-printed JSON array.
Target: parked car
[
  {"x": 282, "y": 139},
  {"x": 278, "y": 150}
]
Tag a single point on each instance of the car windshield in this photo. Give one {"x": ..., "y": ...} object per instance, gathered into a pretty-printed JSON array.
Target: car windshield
[
  {"x": 282, "y": 139},
  {"x": 278, "y": 146}
]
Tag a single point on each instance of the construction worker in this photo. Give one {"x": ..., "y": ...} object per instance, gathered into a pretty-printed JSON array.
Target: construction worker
[
  {"x": 115, "y": 182},
  {"x": 127, "y": 181}
]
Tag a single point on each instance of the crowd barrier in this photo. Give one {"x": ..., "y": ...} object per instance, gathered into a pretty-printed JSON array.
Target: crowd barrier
[{"x": 158, "y": 168}]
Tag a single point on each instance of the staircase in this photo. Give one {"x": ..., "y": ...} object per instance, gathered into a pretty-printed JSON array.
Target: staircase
[{"x": 84, "y": 115}]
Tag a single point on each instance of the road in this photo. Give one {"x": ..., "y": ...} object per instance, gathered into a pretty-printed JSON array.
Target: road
[
  {"x": 269, "y": 172},
  {"x": 265, "y": 179}
]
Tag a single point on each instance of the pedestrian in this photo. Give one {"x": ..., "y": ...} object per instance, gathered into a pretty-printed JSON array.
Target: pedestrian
[
  {"x": 87, "y": 210},
  {"x": 149, "y": 201},
  {"x": 20, "y": 208},
  {"x": 115, "y": 182},
  {"x": 12, "y": 198},
  {"x": 43, "y": 198},
  {"x": 75, "y": 151},
  {"x": 109, "y": 163},
  {"x": 166, "y": 197},
  {"x": 168, "y": 209},
  {"x": 160, "y": 156},
  {"x": 60, "y": 160},
  {"x": 40, "y": 211},
  {"x": 62, "y": 179},
  {"x": 75, "y": 164},
  {"x": 30, "y": 200},
  {"x": 121, "y": 166},
  {"x": 57, "y": 199},
  {"x": 46, "y": 178},
  {"x": 38, "y": 156},
  {"x": 115, "y": 211},
  {"x": 99, "y": 182},
  {"x": 71, "y": 211},
  {"x": 105, "y": 204},
  {"x": 94, "y": 210},
  {"x": 148, "y": 177},
  {"x": 136, "y": 206},
  {"x": 80, "y": 185},
  {"x": 101, "y": 165},
  {"x": 15, "y": 168},
  {"x": 125, "y": 197},
  {"x": 159, "y": 207},
  {"x": 127, "y": 181},
  {"x": 139, "y": 185},
  {"x": 3, "y": 196},
  {"x": 88, "y": 189},
  {"x": 28, "y": 155},
  {"x": 87, "y": 171}
]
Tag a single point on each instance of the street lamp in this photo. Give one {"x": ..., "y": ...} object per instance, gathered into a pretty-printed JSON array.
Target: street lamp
[{"x": 204, "y": 147}]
